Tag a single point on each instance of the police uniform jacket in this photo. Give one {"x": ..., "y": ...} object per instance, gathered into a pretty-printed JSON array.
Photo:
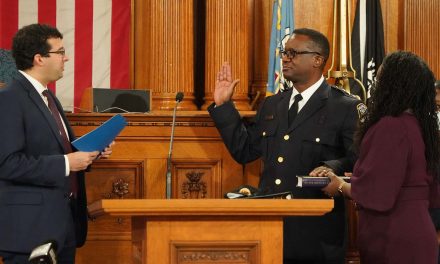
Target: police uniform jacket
[{"x": 322, "y": 133}]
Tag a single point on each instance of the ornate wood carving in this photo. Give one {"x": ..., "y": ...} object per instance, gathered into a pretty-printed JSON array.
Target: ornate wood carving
[
  {"x": 119, "y": 190},
  {"x": 203, "y": 256},
  {"x": 215, "y": 252},
  {"x": 194, "y": 188},
  {"x": 196, "y": 179}
]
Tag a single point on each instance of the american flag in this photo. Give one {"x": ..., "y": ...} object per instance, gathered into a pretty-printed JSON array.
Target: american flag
[{"x": 96, "y": 36}]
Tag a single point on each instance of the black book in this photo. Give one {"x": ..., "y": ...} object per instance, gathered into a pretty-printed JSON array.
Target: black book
[{"x": 316, "y": 182}]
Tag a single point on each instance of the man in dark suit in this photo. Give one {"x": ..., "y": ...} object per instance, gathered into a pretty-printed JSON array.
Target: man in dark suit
[
  {"x": 42, "y": 190},
  {"x": 306, "y": 130}
]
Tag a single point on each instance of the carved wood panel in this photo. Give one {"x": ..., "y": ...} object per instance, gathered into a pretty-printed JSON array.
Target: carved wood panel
[
  {"x": 197, "y": 179},
  {"x": 217, "y": 252},
  {"x": 111, "y": 179},
  {"x": 233, "y": 242}
]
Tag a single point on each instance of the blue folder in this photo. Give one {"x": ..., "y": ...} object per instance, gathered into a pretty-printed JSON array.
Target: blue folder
[{"x": 102, "y": 136}]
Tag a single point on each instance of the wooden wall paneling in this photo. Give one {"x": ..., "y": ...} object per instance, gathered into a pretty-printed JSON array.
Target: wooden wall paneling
[
  {"x": 156, "y": 184},
  {"x": 111, "y": 179},
  {"x": 197, "y": 178},
  {"x": 146, "y": 138},
  {"x": 233, "y": 173},
  {"x": 392, "y": 24},
  {"x": 110, "y": 252},
  {"x": 309, "y": 14},
  {"x": 242, "y": 237},
  {"x": 262, "y": 14},
  {"x": 252, "y": 172},
  {"x": 422, "y": 31},
  {"x": 228, "y": 30},
  {"x": 139, "y": 159},
  {"x": 163, "y": 43}
]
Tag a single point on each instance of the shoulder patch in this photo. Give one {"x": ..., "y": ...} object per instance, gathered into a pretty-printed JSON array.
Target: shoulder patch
[{"x": 362, "y": 112}]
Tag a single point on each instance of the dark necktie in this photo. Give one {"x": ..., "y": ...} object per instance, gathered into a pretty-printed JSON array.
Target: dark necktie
[
  {"x": 56, "y": 115},
  {"x": 293, "y": 111}
]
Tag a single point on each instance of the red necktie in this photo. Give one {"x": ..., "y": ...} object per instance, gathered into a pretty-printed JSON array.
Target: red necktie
[{"x": 56, "y": 115}]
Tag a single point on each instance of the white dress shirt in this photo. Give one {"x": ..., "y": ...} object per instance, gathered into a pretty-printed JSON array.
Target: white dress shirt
[{"x": 306, "y": 94}]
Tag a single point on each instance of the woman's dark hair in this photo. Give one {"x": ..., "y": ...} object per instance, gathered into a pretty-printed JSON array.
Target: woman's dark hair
[
  {"x": 404, "y": 81},
  {"x": 31, "y": 40}
]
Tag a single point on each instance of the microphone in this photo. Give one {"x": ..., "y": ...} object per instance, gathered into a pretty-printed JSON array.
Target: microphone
[
  {"x": 179, "y": 98},
  {"x": 44, "y": 254}
]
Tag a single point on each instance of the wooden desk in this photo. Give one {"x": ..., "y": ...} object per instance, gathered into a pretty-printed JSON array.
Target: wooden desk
[
  {"x": 201, "y": 168},
  {"x": 183, "y": 231}
]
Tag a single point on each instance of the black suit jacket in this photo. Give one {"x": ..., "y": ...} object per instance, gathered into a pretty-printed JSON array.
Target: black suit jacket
[
  {"x": 34, "y": 203},
  {"x": 322, "y": 133}
]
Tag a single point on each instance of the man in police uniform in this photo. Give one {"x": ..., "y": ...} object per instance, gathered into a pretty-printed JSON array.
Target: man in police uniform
[{"x": 306, "y": 130}]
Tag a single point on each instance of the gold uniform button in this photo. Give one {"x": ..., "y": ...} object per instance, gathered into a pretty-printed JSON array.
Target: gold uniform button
[
  {"x": 317, "y": 139},
  {"x": 277, "y": 181},
  {"x": 286, "y": 137},
  {"x": 264, "y": 134},
  {"x": 280, "y": 159}
]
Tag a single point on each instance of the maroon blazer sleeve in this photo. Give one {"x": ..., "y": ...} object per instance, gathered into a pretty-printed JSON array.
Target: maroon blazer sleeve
[{"x": 381, "y": 168}]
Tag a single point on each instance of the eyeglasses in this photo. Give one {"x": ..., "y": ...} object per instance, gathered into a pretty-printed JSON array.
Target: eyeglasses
[
  {"x": 61, "y": 52},
  {"x": 291, "y": 53}
]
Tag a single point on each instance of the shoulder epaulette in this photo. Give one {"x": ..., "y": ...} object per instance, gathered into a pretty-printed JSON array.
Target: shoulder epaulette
[{"x": 344, "y": 92}]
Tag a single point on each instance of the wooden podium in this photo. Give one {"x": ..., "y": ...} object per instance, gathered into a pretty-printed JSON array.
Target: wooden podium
[{"x": 202, "y": 231}]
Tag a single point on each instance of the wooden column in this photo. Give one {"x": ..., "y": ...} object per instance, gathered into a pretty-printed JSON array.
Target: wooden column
[
  {"x": 163, "y": 58},
  {"x": 228, "y": 38}
]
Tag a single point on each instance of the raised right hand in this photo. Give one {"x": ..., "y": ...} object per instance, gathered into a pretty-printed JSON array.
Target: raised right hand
[
  {"x": 224, "y": 86},
  {"x": 81, "y": 160}
]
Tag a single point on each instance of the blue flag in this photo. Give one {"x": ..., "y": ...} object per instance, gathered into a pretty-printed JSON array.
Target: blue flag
[{"x": 282, "y": 27}]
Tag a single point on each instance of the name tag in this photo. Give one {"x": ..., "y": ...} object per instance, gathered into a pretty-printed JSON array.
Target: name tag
[{"x": 268, "y": 117}]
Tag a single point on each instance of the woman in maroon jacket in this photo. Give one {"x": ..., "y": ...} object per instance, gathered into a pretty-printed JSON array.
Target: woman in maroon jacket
[{"x": 395, "y": 180}]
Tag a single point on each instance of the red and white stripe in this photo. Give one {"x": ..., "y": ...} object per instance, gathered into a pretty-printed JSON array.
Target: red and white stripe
[{"x": 96, "y": 36}]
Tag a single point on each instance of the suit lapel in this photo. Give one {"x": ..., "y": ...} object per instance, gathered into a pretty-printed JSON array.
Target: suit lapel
[
  {"x": 36, "y": 99},
  {"x": 316, "y": 102},
  {"x": 283, "y": 109}
]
